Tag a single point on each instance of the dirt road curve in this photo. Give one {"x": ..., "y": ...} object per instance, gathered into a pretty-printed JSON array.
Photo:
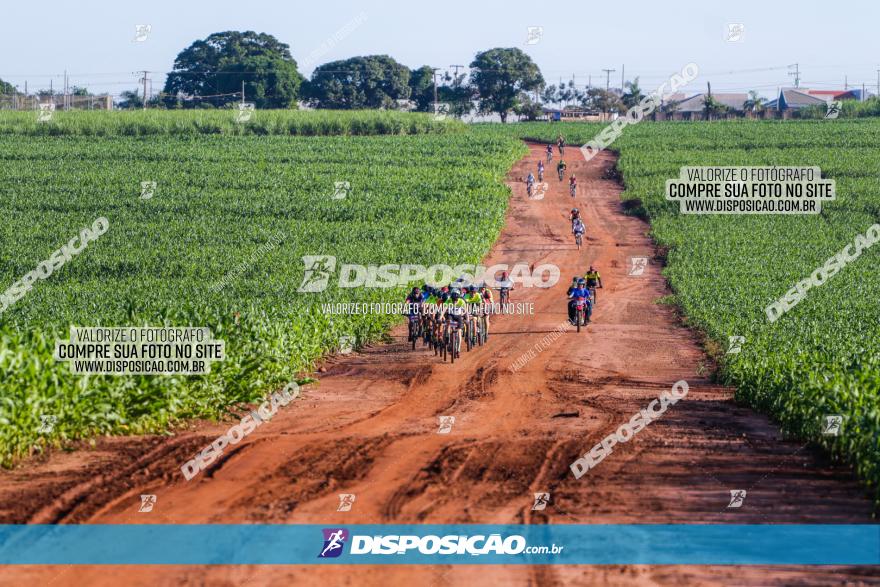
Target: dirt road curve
[{"x": 370, "y": 428}]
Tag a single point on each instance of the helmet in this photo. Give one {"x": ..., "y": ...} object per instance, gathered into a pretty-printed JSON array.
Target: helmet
[
  {"x": 444, "y": 296},
  {"x": 426, "y": 287},
  {"x": 591, "y": 268},
  {"x": 472, "y": 288},
  {"x": 575, "y": 211},
  {"x": 504, "y": 275},
  {"x": 582, "y": 281},
  {"x": 455, "y": 295},
  {"x": 575, "y": 279},
  {"x": 444, "y": 289},
  {"x": 415, "y": 290}
]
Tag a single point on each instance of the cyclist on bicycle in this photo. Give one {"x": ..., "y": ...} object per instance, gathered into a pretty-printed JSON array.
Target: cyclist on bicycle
[
  {"x": 574, "y": 283},
  {"x": 488, "y": 300},
  {"x": 454, "y": 310},
  {"x": 560, "y": 142},
  {"x": 560, "y": 168},
  {"x": 572, "y": 185},
  {"x": 593, "y": 278},
  {"x": 577, "y": 227},
  {"x": 415, "y": 297},
  {"x": 540, "y": 171},
  {"x": 427, "y": 292},
  {"x": 472, "y": 296},
  {"x": 575, "y": 214},
  {"x": 549, "y": 152},
  {"x": 486, "y": 294},
  {"x": 579, "y": 291}
]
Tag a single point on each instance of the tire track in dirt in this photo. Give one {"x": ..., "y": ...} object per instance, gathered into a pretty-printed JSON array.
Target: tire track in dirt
[{"x": 370, "y": 428}]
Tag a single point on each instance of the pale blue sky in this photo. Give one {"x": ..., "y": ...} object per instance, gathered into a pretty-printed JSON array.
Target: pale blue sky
[{"x": 94, "y": 40}]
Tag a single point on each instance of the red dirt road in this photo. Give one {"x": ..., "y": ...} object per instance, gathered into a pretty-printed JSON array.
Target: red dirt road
[{"x": 370, "y": 428}]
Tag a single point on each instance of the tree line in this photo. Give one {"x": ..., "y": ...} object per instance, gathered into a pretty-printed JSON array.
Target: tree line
[{"x": 212, "y": 72}]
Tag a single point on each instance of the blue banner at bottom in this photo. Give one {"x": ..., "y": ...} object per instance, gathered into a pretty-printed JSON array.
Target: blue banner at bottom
[{"x": 569, "y": 544}]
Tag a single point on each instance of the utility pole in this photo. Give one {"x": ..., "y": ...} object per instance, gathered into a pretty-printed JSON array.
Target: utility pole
[
  {"x": 878, "y": 82},
  {"x": 796, "y": 73},
  {"x": 608, "y": 73},
  {"x": 145, "y": 79},
  {"x": 862, "y": 97},
  {"x": 435, "y": 70},
  {"x": 622, "y": 82},
  {"x": 456, "y": 68},
  {"x": 242, "y": 91},
  {"x": 845, "y": 83}
]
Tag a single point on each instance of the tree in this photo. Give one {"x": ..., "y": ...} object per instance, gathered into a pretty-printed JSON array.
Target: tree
[
  {"x": 129, "y": 100},
  {"x": 372, "y": 81},
  {"x": 78, "y": 91},
  {"x": 755, "y": 103},
  {"x": 214, "y": 69},
  {"x": 549, "y": 94},
  {"x": 6, "y": 87},
  {"x": 671, "y": 107},
  {"x": 602, "y": 100},
  {"x": 456, "y": 92},
  {"x": 500, "y": 76},
  {"x": 528, "y": 108},
  {"x": 713, "y": 107},
  {"x": 421, "y": 83},
  {"x": 633, "y": 94}
]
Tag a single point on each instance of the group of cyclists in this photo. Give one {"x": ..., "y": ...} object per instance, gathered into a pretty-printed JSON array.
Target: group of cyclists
[
  {"x": 453, "y": 317},
  {"x": 561, "y": 167},
  {"x": 450, "y": 318}
]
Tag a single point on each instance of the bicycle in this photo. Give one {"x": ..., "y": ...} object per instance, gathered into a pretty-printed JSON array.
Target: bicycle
[
  {"x": 482, "y": 326},
  {"x": 593, "y": 294},
  {"x": 561, "y": 172},
  {"x": 541, "y": 174},
  {"x": 414, "y": 329},
  {"x": 572, "y": 189},
  {"x": 578, "y": 239},
  {"x": 503, "y": 297},
  {"x": 451, "y": 341},
  {"x": 580, "y": 312}
]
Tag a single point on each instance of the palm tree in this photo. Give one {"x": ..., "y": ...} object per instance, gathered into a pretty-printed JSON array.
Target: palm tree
[
  {"x": 755, "y": 103},
  {"x": 713, "y": 107},
  {"x": 633, "y": 95}
]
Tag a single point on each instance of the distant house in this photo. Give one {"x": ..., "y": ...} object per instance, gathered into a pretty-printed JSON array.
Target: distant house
[
  {"x": 792, "y": 99},
  {"x": 697, "y": 104},
  {"x": 832, "y": 95},
  {"x": 797, "y": 98}
]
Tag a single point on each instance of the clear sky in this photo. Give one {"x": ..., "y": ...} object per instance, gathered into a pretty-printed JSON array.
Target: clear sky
[{"x": 93, "y": 40}]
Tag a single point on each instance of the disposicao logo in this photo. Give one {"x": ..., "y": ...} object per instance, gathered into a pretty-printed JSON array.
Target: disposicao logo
[{"x": 334, "y": 541}]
